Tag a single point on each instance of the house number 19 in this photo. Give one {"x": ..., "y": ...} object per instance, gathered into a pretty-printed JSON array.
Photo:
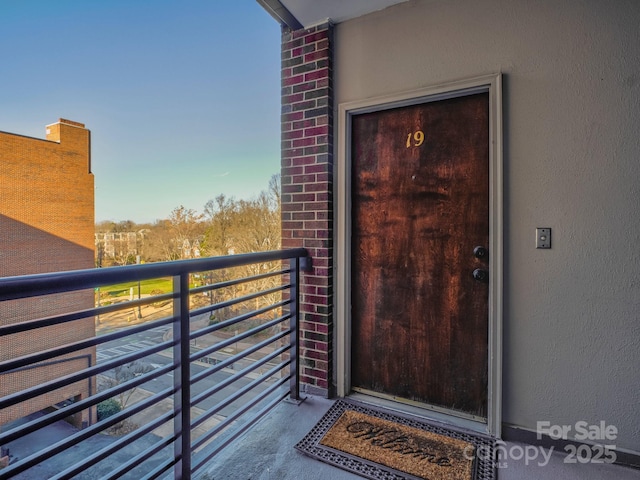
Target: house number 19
[{"x": 415, "y": 139}]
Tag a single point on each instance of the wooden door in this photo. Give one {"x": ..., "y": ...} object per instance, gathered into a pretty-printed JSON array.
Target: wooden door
[{"x": 420, "y": 206}]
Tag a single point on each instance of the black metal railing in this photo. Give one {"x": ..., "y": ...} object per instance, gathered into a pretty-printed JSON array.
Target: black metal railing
[{"x": 162, "y": 381}]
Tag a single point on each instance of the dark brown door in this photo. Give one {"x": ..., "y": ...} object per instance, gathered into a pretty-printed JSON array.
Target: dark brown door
[{"x": 420, "y": 206}]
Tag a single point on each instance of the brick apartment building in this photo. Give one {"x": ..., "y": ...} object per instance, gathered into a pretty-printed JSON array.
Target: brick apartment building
[{"x": 46, "y": 225}]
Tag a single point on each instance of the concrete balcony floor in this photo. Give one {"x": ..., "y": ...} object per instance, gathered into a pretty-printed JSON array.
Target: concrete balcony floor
[{"x": 266, "y": 452}]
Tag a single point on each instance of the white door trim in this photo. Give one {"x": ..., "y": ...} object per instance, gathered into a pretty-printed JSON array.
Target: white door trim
[{"x": 342, "y": 202}]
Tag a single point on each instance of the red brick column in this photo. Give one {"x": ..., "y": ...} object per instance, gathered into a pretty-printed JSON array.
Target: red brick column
[{"x": 307, "y": 190}]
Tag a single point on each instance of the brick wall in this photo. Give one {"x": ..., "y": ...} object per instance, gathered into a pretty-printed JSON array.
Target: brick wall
[
  {"x": 46, "y": 225},
  {"x": 307, "y": 190}
]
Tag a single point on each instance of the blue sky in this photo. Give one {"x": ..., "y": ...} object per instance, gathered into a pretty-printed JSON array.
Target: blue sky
[{"x": 182, "y": 97}]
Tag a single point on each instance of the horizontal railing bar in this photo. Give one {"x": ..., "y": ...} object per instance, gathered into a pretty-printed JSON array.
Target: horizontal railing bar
[
  {"x": 109, "y": 449},
  {"x": 233, "y": 320},
  {"x": 246, "y": 298},
  {"x": 230, "y": 341},
  {"x": 136, "y": 302},
  {"x": 82, "y": 355},
  {"x": 77, "y": 377},
  {"x": 12, "y": 288},
  {"x": 234, "y": 378},
  {"x": 160, "y": 469},
  {"x": 232, "y": 398},
  {"x": 137, "y": 460},
  {"x": 79, "y": 315},
  {"x": 243, "y": 428},
  {"x": 225, "y": 363},
  {"x": 48, "y": 321},
  {"x": 33, "y": 359},
  {"x": 238, "y": 413},
  {"x": 237, "y": 281},
  {"x": 81, "y": 435},
  {"x": 10, "y": 435}
]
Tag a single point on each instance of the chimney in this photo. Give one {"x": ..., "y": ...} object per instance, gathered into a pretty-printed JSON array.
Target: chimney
[{"x": 53, "y": 130}]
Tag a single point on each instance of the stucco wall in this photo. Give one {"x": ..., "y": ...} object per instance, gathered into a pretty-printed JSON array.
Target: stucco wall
[{"x": 572, "y": 162}]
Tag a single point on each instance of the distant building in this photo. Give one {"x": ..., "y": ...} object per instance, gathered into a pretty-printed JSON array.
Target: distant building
[
  {"x": 119, "y": 246},
  {"x": 46, "y": 225},
  {"x": 122, "y": 248}
]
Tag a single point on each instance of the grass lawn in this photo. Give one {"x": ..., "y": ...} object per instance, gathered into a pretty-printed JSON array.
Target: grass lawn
[{"x": 164, "y": 285}]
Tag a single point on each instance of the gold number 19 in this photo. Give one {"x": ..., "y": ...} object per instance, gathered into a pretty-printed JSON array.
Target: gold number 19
[{"x": 417, "y": 138}]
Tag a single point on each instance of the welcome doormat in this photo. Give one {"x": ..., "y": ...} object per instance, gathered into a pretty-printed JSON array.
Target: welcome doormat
[{"x": 378, "y": 444}]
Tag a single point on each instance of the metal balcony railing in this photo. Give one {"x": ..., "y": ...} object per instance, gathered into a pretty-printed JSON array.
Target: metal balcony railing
[{"x": 163, "y": 380}]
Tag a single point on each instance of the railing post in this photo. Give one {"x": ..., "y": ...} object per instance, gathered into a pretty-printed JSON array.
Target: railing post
[
  {"x": 181, "y": 378},
  {"x": 294, "y": 381}
]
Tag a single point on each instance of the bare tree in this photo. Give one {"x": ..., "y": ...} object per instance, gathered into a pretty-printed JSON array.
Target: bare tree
[
  {"x": 219, "y": 214},
  {"x": 186, "y": 225},
  {"x": 275, "y": 189},
  {"x": 124, "y": 373},
  {"x": 160, "y": 244},
  {"x": 245, "y": 226}
]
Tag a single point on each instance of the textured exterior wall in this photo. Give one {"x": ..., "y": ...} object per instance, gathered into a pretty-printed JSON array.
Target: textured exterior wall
[
  {"x": 571, "y": 122},
  {"x": 46, "y": 225},
  {"x": 307, "y": 189}
]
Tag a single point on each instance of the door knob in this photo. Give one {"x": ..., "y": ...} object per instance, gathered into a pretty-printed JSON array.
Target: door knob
[
  {"x": 481, "y": 275},
  {"x": 480, "y": 252}
]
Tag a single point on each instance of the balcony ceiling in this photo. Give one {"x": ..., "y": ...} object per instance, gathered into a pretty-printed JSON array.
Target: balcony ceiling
[{"x": 312, "y": 12}]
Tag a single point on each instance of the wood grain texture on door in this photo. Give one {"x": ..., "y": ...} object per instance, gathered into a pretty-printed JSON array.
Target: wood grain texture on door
[{"x": 420, "y": 205}]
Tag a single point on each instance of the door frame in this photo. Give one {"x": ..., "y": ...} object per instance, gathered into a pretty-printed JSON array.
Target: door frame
[{"x": 343, "y": 231}]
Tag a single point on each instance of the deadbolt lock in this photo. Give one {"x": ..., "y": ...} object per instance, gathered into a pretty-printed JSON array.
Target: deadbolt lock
[
  {"x": 480, "y": 252},
  {"x": 481, "y": 275}
]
